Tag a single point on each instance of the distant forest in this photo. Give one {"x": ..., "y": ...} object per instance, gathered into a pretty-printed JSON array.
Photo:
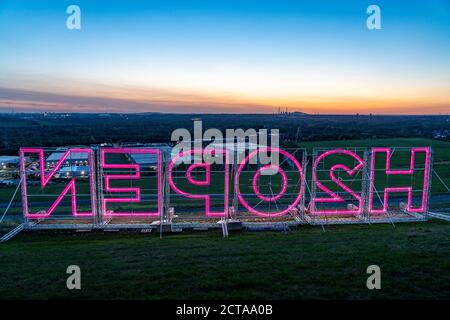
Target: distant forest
[{"x": 51, "y": 129}]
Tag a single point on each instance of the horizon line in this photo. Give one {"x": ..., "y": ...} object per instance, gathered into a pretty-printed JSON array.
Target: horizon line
[{"x": 226, "y": 113}]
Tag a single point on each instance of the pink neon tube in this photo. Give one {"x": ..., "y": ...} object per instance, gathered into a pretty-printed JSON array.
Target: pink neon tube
[
  {"x": 71, "y": 186},
  {"x": 135, "y": 176},
  {"x": 204, "y": 183},
  {"x": 255, "y": 180},
  {"x": 407, "y": 189}
]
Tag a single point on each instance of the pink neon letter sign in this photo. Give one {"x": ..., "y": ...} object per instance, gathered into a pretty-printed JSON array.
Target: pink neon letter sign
[
  {"x": 408, "y": 189},
  {"x": 334, "y": 197},
  {"x": 263, "y": 198},
  {"x": 135, "y": 176},
  {"x": 206, "y": 182},
  {"x": 71, "y": 186}
]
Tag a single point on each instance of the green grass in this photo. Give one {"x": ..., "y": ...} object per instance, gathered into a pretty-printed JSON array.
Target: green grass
[{"x": 304, "y": 263}]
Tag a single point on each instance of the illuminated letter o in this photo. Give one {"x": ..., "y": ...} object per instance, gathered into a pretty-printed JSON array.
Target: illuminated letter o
[{"x": 255, "y": 180}]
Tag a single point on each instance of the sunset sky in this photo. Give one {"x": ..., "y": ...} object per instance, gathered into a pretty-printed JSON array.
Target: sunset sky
[{"x": 225, "y": 56}]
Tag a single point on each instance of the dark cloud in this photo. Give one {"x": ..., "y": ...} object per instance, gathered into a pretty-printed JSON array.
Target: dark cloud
[{"x": 33, "y": 101}]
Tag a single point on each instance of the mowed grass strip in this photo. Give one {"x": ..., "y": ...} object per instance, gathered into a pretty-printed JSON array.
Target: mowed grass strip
[{"x": 303, "y": 264}]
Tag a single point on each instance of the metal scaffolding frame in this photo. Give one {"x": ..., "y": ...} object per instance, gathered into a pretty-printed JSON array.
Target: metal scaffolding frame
[{"x": 237, "y": 215}]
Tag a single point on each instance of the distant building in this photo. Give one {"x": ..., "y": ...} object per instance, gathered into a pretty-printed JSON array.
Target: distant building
[
  {"x": 73, "y": 172},
  {"x": 8, "y": 182},
  {"x": 74, "y": 158},
  {"x": 9, "y": 162},
  {"x": 442, "y": 134},
  {"x": 148, "y": 161}
]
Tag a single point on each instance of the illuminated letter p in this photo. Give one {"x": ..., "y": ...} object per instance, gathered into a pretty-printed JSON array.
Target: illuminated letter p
[{"x": 206, "y": 166}]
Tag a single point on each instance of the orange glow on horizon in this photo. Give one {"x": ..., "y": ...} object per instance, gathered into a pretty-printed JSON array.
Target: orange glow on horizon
[{"x": 75, "y": 96}]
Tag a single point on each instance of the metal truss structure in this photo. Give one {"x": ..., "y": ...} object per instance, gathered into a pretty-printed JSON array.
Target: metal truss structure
[{"x": 135, "y": 187}]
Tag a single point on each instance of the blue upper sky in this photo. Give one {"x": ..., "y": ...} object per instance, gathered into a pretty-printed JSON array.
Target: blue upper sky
[{"x": 218, "y": 56}]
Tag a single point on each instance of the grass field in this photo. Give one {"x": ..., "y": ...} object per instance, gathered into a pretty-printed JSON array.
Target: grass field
[{"x": 304, "y": 263}]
